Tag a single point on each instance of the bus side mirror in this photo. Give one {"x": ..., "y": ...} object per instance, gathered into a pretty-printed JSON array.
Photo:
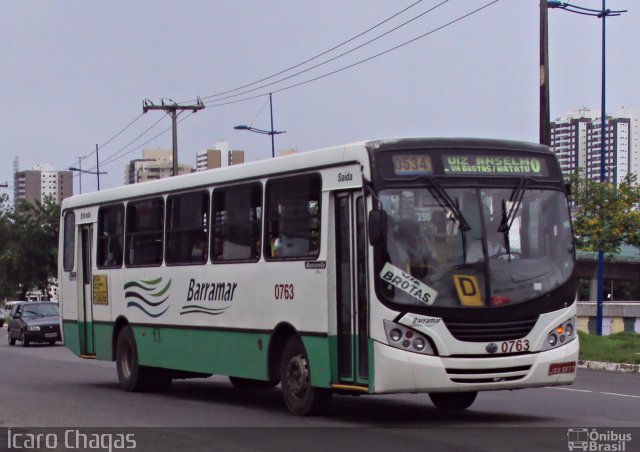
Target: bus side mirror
[{"x": 377, "y": 227}]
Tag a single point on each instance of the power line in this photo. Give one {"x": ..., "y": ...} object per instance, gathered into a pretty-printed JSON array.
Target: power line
[
  {"x": 215, "y": 104},
  {"x": 330, "y": 59},
  {"x": 111, "y": 139},
  {"x": 316, "y": 56}
]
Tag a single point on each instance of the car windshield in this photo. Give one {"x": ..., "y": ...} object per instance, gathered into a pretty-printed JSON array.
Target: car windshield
[
  {"x": 474, "y": 247},
  {"x": 40, "y": 310}
]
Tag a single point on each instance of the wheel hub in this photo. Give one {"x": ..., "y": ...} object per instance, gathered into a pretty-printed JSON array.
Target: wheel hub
[{"x": 298, "y": 376}]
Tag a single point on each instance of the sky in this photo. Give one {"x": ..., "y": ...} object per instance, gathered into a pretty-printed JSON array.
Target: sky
[{"x": 75, "y": 73}]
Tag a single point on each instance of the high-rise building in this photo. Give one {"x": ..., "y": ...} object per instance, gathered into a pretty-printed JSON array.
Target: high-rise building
[
  {"x": 42, "y": 181},
  {"x": 575, "y": 138},
  {"x": 217, "y": 157},
  {"x": 154, "y": 164}
]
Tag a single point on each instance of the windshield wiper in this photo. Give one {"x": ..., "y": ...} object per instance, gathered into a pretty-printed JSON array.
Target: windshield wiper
[
  {"x": 444, "y": 199},
  {"x": 515, "y": 199},
  {"x": 506, "y": 222}
]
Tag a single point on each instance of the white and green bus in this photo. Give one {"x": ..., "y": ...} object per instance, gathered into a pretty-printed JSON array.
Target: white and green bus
[{"x": 422, "y": 265}]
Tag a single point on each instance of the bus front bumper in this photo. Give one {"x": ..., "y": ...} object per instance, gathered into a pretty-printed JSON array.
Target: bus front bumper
[{"x": 400, "y": 371}]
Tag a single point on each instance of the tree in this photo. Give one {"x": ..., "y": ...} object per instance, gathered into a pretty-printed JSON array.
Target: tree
[
  {"x": 604, "y": 214},
  {"x": 28, "y": 246}
]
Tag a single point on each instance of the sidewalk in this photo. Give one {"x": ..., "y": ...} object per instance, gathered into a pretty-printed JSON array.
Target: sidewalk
[{"x": 612, "y": 367}]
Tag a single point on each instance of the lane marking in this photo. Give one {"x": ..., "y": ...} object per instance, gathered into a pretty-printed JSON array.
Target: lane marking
[{"x": 596, "y": 392}]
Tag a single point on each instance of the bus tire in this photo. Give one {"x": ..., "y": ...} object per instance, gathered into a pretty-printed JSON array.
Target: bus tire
[
  {"x": 131, "y": 375},
  {"x": 248, "y": 383},
  {"x": 301, "y": 398},
  {"x": 453, "y": 401}
]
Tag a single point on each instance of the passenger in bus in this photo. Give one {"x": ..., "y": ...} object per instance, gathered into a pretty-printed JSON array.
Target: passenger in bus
[{"x": 412, "y": 250}]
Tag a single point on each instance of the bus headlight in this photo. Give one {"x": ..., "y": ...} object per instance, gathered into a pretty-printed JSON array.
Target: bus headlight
[
  {"x": 399, "y": 336},
  {"x": 562, "y": 334},
  {"x": 395, "y": 335}
]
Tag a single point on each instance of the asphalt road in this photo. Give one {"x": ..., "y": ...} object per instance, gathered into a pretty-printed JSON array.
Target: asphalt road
[{"x": 44, "y": 386}]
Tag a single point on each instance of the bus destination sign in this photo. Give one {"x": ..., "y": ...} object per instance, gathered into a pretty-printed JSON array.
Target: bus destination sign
[{"x": 494, "y": 165}]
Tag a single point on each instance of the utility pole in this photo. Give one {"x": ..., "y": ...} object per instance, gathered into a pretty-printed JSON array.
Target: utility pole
[
  {"x": 172, "y": 110},
  {"x": 545, "y": 115}
]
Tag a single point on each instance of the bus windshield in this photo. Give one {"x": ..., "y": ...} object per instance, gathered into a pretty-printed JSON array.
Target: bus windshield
[{"x": 474, "y": 247}]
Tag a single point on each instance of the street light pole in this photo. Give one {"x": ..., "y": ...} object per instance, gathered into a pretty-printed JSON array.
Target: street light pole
[
  {"x": 601, "y": 14},
  {"x": 265, "y": 132}
]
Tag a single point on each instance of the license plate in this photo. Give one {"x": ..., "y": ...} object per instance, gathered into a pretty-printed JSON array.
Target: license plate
[
  {"x": 50, "y": 334},
  {"x": 562, "y": 368}
]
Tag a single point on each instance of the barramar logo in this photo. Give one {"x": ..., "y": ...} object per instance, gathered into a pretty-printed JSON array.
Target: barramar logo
[
  {"x": 200, "y": 295},
  {"x": 146, "y": 296}
]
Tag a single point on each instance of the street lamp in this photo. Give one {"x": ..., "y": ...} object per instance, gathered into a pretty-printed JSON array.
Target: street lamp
[
  {"x": 97, "y": 173},
  {"x": 600, "y": 14},
  {"x": 264, "y": 132}
]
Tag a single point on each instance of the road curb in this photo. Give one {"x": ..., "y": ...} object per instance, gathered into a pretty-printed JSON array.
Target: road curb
[{"x": 612, "y": 367}]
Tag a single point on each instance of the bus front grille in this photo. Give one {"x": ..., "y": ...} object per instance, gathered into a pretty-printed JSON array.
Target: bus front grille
[
  {"x": 488, "y": 375},
  {"x": 491, "y": 332}
]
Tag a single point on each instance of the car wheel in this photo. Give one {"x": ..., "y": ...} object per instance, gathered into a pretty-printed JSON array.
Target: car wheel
[
  {"x": 24, "y": 340},
  {"x": 131, "y": 375},
  {"x": 12, "y": 341},
  {"x": 301, "y": 398}
]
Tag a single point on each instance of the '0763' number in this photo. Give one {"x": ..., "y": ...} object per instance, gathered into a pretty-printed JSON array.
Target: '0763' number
[
  {"x": 284, "y": 292},
  {"x": 521, "y": 345}
]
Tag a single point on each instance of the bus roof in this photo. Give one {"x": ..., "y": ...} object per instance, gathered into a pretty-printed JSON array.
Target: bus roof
[{"x": 343, "y": 154}]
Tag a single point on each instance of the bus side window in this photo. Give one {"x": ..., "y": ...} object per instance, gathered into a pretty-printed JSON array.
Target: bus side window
[
  {"x": 293, "y": 217},
  {"x": 69, "y": 241},
  {"x": 237, "y": 219},
  {"x": 187, "y": 234},
  {"x": 110, "y": 236},
  {"x": 145, "y": 232}
]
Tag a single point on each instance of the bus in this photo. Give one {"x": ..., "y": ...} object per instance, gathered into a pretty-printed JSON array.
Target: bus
[{"x": 443, "y": 266}]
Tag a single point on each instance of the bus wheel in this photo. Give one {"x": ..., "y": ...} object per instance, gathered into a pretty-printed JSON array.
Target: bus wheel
[
  {"x": 248, "y": 383},
  {"x": 453, "y": 401},
  {"x": 301, "y": 398},
  {"x": 132, "y": 376}
]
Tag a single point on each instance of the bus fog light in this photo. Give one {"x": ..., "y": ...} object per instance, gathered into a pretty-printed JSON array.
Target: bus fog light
[
  {"x": 406, "y": 343},
  {"x": 395, "y": 335},
  {"x": 562, "y": 338},
  {"x": 552, "y": 339},
  {"x": 419, "y": 344}
]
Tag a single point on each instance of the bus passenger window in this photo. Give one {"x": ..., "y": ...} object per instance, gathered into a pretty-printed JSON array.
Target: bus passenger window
[
  {"x": 187, "y": 234},
  {"x": 237, "y": 219},
  {"x": 110, "y": 236},
  {"x": 293, "y": 217},
  {"x": 69, "y": 241},
  {"x": 145, "y": 220}
]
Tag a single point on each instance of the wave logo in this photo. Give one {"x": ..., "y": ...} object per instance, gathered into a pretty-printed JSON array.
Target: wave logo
[{"x": 147, "y": 296}]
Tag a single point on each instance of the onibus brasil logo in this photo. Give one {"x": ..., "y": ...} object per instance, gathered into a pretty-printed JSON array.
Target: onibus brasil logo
[{"x": 148, "y": 296}]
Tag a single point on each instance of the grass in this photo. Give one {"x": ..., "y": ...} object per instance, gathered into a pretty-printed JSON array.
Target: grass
[{"x": 615, "y": 348}]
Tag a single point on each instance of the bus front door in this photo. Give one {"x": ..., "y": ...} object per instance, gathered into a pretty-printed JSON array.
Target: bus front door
[
  {"x": 85, "y": 310},
  {"x": 351, "y": 296}
]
